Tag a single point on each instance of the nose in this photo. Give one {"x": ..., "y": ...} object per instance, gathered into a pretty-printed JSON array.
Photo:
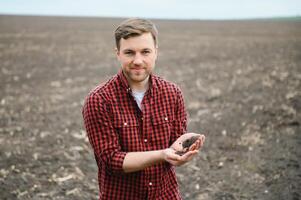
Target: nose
[{"x": 138, "y": 59}]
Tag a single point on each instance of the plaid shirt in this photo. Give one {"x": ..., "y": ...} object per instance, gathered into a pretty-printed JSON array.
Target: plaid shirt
[{"x": 115, "y": 125}]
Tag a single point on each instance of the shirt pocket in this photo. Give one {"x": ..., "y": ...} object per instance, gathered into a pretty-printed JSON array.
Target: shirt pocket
[
  {"x": 128, "y": 133},
  {"x": 161, "y": 131}
]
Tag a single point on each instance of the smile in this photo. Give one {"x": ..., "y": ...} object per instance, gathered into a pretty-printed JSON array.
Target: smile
[{"x": 137, "y": 68}]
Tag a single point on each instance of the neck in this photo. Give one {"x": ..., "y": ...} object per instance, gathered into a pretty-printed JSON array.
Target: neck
[{"x": 141, "y": 86}]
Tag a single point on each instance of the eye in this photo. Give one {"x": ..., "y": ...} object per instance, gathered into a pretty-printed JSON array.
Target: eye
[
  {"x": 129, "y": 53},
  {"x": 146, "y": 52}
]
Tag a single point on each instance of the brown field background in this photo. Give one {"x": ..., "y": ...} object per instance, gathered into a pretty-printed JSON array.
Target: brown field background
[{"x": 241, "y": 81}]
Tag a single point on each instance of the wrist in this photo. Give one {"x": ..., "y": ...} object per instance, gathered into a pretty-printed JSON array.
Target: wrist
[
  {"x": 162, "y": 155},
  {"x": 165, "y": 153}
]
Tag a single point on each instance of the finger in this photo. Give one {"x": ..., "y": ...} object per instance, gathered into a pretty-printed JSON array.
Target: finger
[
  {"x": 188, "y": 157},
  {"x": 200, "y": 143},
  {"x": 203, "y": 138},
  {"x": 197, "y": 144},
  {"x": 174, "y": 157},
  {"x": 197, "y": 141},
  {"x": 173, "y": 162},
  {"x": 189, "y": 154},
  {"x": 192, "y": 147}
]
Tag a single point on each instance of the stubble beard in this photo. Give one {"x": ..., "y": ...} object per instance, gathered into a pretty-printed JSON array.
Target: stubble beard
[{"x": 137, "y": 77}]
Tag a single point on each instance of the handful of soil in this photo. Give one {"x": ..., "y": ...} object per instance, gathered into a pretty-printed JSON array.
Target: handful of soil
[{"x": 186, "y": 144}]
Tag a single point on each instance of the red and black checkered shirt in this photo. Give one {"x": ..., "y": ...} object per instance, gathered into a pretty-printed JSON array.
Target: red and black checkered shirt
[{"x": 115, "y": 125}]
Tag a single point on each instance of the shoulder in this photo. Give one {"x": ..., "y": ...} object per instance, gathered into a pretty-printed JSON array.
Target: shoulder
[
  {"x": 164, "y": 85},
  {"x": 103, "y": 92}
]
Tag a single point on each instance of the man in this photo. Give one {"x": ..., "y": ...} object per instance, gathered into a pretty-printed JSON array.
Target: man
[{"x": 136, "y": 122}]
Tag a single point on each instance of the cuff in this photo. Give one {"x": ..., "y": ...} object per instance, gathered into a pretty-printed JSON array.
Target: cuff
[{"x": 117, "y": 161}]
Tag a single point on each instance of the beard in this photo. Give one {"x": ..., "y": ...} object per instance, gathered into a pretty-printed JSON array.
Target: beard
[{"x": 137, "y": 75}]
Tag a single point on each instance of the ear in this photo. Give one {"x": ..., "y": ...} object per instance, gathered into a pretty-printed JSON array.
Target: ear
[
  {"x": 117, "y": 53},
  {"x": 156, "y": 51}
]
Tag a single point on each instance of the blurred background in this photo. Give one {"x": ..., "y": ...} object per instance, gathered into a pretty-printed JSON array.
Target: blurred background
[
  {"x": 237, "y": 62},
  {"x": 167, "y": 9}
]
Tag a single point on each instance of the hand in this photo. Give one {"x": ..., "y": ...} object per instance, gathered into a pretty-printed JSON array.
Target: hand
[
  {"x": 170, "y": 156},
  {"x": 183, "y": 143}
]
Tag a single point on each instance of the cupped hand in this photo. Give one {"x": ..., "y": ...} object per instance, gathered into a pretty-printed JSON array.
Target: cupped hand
[
  {"x": 170, "y": 156},
  {"x": 178, "y": 144}
]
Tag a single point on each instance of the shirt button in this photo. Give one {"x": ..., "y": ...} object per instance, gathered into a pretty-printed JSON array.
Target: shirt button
[
  {"x": 166, "y": 118},
  {"x": 125, "y": 123},
  {"x": 145, "y": 140},
  {"x": 142, "y": 118},
  {"x": 150, "y": 183}
]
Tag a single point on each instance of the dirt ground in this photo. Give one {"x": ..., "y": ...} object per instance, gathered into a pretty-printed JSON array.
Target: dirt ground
[{"x": 241, "y": 81}]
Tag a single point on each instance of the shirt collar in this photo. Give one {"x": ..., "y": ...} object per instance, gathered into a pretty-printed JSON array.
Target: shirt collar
[{"x": 125, "y": 84}]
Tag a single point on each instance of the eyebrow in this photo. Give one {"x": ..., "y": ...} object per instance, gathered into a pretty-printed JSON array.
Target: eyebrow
[{"x": 148, "y": 49}]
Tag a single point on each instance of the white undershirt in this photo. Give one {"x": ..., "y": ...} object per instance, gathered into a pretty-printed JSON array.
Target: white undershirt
[{"x": 138, "y": 96}]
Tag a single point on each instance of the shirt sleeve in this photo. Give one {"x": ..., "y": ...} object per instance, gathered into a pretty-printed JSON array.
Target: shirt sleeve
[
  {"x": 101, "y": 133},
  {"x": 180, "y": 121}
]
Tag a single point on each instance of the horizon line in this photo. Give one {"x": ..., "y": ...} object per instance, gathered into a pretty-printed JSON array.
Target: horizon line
[{"x": 154, "y": 18}]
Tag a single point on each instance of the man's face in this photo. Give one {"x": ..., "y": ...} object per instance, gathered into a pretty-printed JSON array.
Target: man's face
[{"x": 137, "y": 56}]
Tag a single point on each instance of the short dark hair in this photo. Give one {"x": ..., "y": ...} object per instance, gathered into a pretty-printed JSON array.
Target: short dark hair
[{"x": 135, "y": 27}]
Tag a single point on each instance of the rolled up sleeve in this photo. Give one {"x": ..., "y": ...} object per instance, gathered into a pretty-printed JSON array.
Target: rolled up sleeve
[{"x": 101, "y": 133}]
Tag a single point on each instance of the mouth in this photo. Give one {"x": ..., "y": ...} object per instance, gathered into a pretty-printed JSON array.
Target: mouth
[{"x": 137, "y": 68}]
